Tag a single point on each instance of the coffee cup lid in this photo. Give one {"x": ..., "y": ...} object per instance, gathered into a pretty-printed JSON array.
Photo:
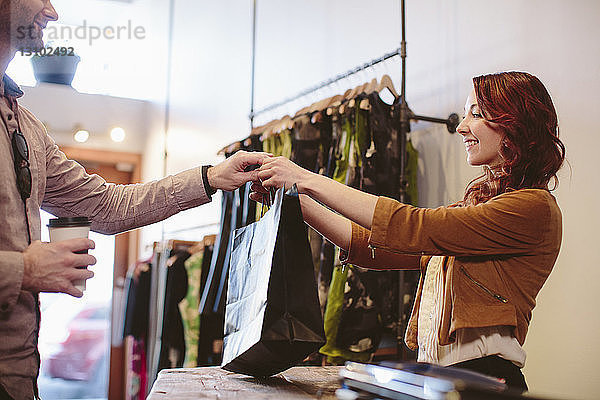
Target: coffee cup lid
[{"x": 69, "y": 222}]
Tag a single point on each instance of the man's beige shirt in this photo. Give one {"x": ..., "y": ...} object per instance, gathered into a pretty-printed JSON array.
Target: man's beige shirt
[{"x": 63, "y": 188}]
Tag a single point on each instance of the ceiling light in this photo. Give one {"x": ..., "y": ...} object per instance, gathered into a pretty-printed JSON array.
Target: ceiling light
[
  {"x": 117, "y": 134},
  {"x": 81, "y": 136}
]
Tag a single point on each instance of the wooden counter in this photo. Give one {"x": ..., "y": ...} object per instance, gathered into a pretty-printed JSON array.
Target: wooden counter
[{"x": 216, "y": 383}]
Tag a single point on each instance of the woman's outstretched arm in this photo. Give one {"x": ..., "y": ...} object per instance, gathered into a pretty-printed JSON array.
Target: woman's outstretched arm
[
  {"x": 336, "y": 228},
  {"x": 351, "y": 203},
  {"x": 351, "y": 238}
]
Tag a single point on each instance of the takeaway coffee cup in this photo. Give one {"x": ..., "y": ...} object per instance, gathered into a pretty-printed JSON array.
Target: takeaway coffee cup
[{"x": 70, "y": 228}]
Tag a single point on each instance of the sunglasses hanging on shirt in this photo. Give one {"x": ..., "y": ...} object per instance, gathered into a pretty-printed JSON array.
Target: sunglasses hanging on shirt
[{"x": 21, "y": 161}]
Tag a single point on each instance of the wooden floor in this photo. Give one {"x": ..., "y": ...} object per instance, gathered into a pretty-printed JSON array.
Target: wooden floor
[{"x": 215, "y": 383}]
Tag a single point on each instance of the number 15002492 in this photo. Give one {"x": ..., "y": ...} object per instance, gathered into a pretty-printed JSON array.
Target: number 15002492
[{"x": 47, "y": 51}]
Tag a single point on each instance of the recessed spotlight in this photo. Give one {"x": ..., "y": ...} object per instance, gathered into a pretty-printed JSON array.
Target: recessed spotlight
[
  {"x": 81, "y": 136},
  {"x": 117, "y": 134}
]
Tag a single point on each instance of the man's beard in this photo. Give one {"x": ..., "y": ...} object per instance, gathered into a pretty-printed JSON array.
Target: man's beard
[
  {"x": 22, "y": 32},
  {"x": 24, "y": 38}
]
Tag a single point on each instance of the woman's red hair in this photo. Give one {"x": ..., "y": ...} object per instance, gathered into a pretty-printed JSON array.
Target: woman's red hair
[{"x": 519, "y": 105}]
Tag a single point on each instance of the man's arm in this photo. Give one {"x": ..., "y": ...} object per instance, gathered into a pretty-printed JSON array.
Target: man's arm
[{"x": 70, "y": 191}]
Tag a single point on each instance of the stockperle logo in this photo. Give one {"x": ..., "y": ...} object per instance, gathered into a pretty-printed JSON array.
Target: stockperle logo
[{"x": 84, "y": 32}]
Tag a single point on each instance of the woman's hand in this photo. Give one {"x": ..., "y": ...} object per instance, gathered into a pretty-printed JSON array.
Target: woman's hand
[
  {"x": 258, "y": 193},
  {"x": 280, "y": 172}
]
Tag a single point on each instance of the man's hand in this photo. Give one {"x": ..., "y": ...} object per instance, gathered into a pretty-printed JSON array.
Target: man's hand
[
  {"x": 52, "y": 267},
  {"x": 230, "y": 174}
]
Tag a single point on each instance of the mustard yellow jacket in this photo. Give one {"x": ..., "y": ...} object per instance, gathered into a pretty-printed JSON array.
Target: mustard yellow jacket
[{"x": 498, "y": 255}]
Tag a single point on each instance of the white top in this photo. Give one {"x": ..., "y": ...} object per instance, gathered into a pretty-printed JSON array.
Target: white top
[{"x": 470, "y": 343}]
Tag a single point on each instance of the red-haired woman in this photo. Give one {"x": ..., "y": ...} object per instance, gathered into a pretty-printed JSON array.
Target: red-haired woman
[{"x": 482, "y": 261}]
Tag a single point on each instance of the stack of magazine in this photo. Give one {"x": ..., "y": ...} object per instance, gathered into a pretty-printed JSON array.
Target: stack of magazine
[{"x": 420, "y": 381}]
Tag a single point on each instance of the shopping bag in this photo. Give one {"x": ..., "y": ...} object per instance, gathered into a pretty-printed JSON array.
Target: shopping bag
[{"x": 272, "y": 315}]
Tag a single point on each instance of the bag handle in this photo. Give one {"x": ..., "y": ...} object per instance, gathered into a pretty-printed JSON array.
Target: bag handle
[{"x": 267, "y": 201}]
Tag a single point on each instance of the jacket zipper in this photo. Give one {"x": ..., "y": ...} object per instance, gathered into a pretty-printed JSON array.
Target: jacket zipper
[
  {"x": 372, "y": 251},
  {"x": 409, "y": 253},
  {"x": 488, "y": 291},
  {"x": 494, "y": 295}
]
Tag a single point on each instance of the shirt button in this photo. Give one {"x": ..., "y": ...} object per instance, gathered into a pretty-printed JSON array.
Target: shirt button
[{"x": 9, "y": 117}]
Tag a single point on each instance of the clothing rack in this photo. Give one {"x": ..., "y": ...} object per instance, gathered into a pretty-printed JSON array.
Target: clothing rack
[
  {"x": 160, "y": 255},
  {"x": 324, "y": 84},
  {"x": 406, "y": 116}
]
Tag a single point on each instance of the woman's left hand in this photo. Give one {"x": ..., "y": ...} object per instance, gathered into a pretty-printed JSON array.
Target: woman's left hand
[{"x": 280, "y": 172}]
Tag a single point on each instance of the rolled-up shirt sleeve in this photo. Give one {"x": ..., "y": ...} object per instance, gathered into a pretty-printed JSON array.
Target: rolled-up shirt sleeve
[
  {"x": 362, "y": 255},
  {"x": 11, "y": 270},
  {"x": 70, "y": 191}
]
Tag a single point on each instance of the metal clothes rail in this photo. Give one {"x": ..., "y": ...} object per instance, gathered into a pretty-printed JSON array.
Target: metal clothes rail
[{"x": 326, "y": 83}]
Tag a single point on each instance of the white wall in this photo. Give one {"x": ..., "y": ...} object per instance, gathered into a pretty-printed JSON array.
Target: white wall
[{"x": 303, "y": 42}]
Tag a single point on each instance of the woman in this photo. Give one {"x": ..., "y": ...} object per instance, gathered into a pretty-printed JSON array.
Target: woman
[{"x": 483, "y": 260}]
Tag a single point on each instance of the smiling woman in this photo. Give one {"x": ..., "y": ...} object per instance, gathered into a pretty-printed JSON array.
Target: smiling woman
[
  {"x": 514, "y": 118},
  {"x": 482, "y": 139},
  {"x": 483, "y": 260}
]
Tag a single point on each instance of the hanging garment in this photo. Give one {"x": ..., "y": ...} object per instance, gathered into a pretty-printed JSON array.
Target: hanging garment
[
  {"x": 410, "y": 172},
  {"x": 188, "y": 307},
  {"x": 172, "y": 349},
  {"x": 211, "y": 325},
  {"x": 323, "y": 123},
  {"x": 382, "y": 166},
  {"x": 331, "y": 131},
  {"x": 135, "y": 329},
  {"x": 347, "y": 300},
  {"x": 360, "y": 326},
  {"x": 136, "y": 371},
  {"x": 138, "y": 301},
  {"x": 383, "y": 157},
  {"x": 307, "y": 151},
  {"x": 210, "y": 342},
  {"x": 306, "y": 144},
  {"x": 218, "y": 259},
  {"x": 236, "y": 223}
]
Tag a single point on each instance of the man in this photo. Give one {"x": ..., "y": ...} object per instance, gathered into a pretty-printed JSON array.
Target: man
[{"x": 35, "y": 174}]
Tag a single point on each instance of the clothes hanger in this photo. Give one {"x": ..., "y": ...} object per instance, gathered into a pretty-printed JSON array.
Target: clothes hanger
[
  {"x": 359, "y": 90},
  {"x": 302, "y": 111},
  {"x": 370, "y": 88},
  {"x": 386, "y": 84},
  {"x": 284, "y": 123},
  {"x": 319, "y": 107},
  {"x": 209, "y": 240},
  {"x": 336, "y": 101},
  {"x": 349, "y": 98},
  {"x": 197, "y": 248},
  {"x": 268, "y": 130},
  {"x": 335, "y": 104},
  {"x": 230, "y": 148}
]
